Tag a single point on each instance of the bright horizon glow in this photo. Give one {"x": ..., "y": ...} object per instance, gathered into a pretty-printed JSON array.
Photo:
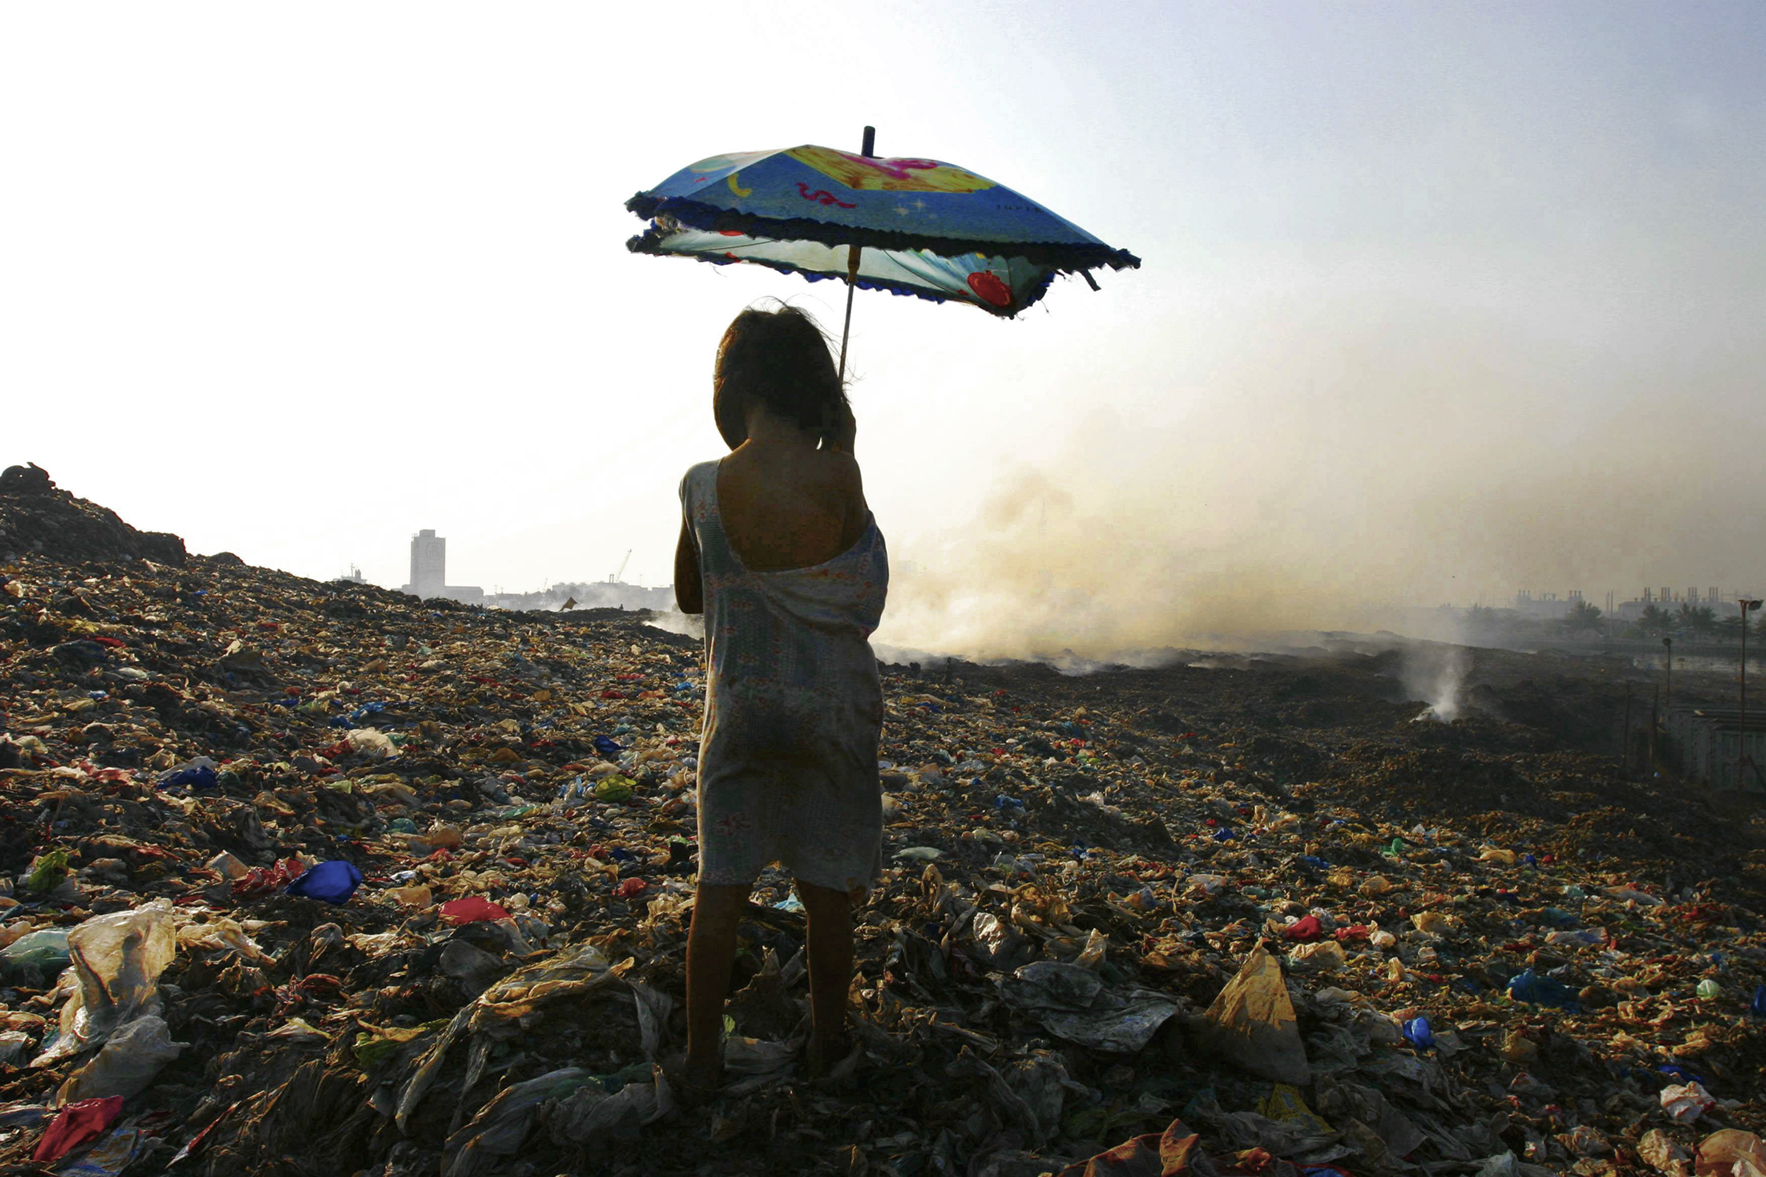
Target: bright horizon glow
[{"x": 1438, "y": 301}]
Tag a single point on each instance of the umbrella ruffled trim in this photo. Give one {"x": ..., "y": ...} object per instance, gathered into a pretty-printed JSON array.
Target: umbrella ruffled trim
[
  {"x": 1054, "y": 255},
  {"x": 648, "y": 243}
]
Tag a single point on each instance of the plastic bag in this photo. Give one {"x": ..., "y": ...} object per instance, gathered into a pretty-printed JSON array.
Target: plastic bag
[
  {"x": 1305, "y": 930},
  {"x": 1731, "y": 1151},
  {"x": 1324, "y": 956},
  {"x": 613, "y": 788},
  {"x": 589, "y": 1114},
  {"x": 1252, "y": 1024},
  {"x": 1542, "y": 990},
  {"x": 77, "y": 1123},
  {"x": 1686, "y": 1102},
  {"x": 47, "y": 871},
  {"x": 129, "y": 1060},
  {"x": 1092, "y": 955},
  {"x": 1659, "y": 1149},
  {"x": 1073, "y": 1003},
  {"x": 261, "y": 880},
  {"x": 200, "y": 773},
  {"x": 227, "y": 866},
  {"x": 502, "y": 1124},
  {"x": 372, "y": 743},
  {"x": 333, "y": 881},
  {"x": 117, "y": 960},
  {"x": 36, "y": 956},
  {"x": 472, "y": 909},
  {"x": 221, "y": 932}
]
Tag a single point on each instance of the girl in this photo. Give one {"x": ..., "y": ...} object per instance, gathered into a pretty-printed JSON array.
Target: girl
[{"x": 780, "y": 553}]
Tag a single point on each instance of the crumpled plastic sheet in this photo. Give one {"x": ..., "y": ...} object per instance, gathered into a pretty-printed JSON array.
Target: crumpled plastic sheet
[{"x": 1073, "y": 1004}]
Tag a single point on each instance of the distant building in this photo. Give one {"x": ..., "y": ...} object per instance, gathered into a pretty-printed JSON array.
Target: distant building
[
  {"x": 1546, "y": 606},
  {"x": 429, "y": 577},
  {"x": 598, "y": 594}
]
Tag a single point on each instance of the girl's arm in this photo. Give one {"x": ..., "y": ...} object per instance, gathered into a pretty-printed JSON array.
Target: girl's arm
[{"x": 689, "y": 588}]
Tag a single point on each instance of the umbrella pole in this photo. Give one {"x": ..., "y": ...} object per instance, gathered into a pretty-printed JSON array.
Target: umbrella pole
[
  {"x": 851, "y": 285},
  {"x": 852, "y": 256}
]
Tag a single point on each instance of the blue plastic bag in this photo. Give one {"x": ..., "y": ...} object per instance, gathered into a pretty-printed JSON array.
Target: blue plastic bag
[
  {"x": 1542, "y": 990},
  {"x": 1758, "y": 1009},
  {"x": 1680, "y": 1074},
  {"x": 200, "y": 777},
  {"x": 333, "y": 881},
  {"x": 606, "y": 746},
  {"x": 1419, "y": 1034}
]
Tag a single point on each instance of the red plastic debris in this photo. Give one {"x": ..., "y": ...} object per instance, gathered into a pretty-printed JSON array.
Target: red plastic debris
[
  {"x": 471, "y": 910},
  {"x": 1306, "y": 929},
  {"x": 631, "y": 889},
  {"x": 78, "y": 1123},
  {"x": 262, "y": 880}
]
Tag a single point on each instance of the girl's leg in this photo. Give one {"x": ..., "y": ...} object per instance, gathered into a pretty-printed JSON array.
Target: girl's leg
[
  {"x": 829, "y": 913},
  {"x": 711, "y": 954}
]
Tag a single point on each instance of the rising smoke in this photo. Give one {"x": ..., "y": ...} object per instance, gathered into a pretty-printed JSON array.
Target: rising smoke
[
  {"x": 1436, "y": 674},
  {"x": 1348, "y": 472}
]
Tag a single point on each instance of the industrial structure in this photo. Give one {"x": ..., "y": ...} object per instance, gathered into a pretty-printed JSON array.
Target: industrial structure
[{"x": 1551, "y": 606}]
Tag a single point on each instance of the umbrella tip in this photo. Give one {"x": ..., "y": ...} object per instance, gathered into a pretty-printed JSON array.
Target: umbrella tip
[{"x": 870, "y": 147}]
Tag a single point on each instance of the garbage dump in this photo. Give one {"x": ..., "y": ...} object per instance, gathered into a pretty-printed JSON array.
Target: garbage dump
[{"x": 302, "y": 877}]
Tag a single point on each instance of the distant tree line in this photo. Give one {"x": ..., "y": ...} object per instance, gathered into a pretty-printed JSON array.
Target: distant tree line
[
  {"x": 1694, "y": 621},
  {"x": 1688, "y": 621}
]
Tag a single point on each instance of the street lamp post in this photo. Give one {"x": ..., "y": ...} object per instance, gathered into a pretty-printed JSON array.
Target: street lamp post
[
  {"x": 1741, "y": 735},
  {"x": 1668, "y": 665}
]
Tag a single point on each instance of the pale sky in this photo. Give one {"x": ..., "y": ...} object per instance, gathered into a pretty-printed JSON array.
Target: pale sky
[{"x": 1439, "y": 300}]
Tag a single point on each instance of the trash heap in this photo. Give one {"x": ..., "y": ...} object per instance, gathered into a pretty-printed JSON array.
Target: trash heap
[{"x": 301, "y": 877}]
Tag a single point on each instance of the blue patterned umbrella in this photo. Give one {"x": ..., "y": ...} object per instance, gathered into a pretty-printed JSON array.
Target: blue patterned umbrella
[{"x": 908, "y": 226}]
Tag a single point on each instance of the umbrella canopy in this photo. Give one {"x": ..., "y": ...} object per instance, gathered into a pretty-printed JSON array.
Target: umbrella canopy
[{"x": 924, "y": 227}]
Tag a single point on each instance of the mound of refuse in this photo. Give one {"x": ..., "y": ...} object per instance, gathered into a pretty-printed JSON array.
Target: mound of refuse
[
  {"x": 302, "y": 877},
  {"x": 38, "y": 518}
]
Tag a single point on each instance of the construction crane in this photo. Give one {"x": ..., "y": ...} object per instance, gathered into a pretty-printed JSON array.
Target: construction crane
[{"x": 614, "y": 579}]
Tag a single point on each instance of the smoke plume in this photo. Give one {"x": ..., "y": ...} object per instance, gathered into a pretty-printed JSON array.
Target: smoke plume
[{"x": 1349, "y": 474}]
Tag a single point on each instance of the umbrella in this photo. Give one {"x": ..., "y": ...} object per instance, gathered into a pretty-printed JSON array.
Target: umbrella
[{"x": 909, "y": 226}]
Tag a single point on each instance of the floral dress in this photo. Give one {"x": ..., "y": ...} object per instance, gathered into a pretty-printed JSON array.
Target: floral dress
[{"x": 793, "y": 709}]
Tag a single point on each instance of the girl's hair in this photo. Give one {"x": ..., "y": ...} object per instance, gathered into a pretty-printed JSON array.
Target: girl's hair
[{"x": 781, "y": 358}]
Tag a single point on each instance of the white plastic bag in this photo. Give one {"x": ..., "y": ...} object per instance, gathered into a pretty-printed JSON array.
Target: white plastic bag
[
  {"x": 129, "y": 1060},
  {"x": 117, "y": 960}
]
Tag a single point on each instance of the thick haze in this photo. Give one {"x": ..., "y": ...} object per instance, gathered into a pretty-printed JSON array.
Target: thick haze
[{"x": 1439, "y": 302}]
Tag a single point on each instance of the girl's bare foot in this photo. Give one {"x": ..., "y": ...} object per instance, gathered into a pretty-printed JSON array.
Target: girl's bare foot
[
  {"x": 694, "y": 1081},
  {"x": 822, "y": 1055}
]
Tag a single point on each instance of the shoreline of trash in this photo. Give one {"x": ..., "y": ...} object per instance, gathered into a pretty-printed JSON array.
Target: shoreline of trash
[{"x": 298, "y": 876}]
